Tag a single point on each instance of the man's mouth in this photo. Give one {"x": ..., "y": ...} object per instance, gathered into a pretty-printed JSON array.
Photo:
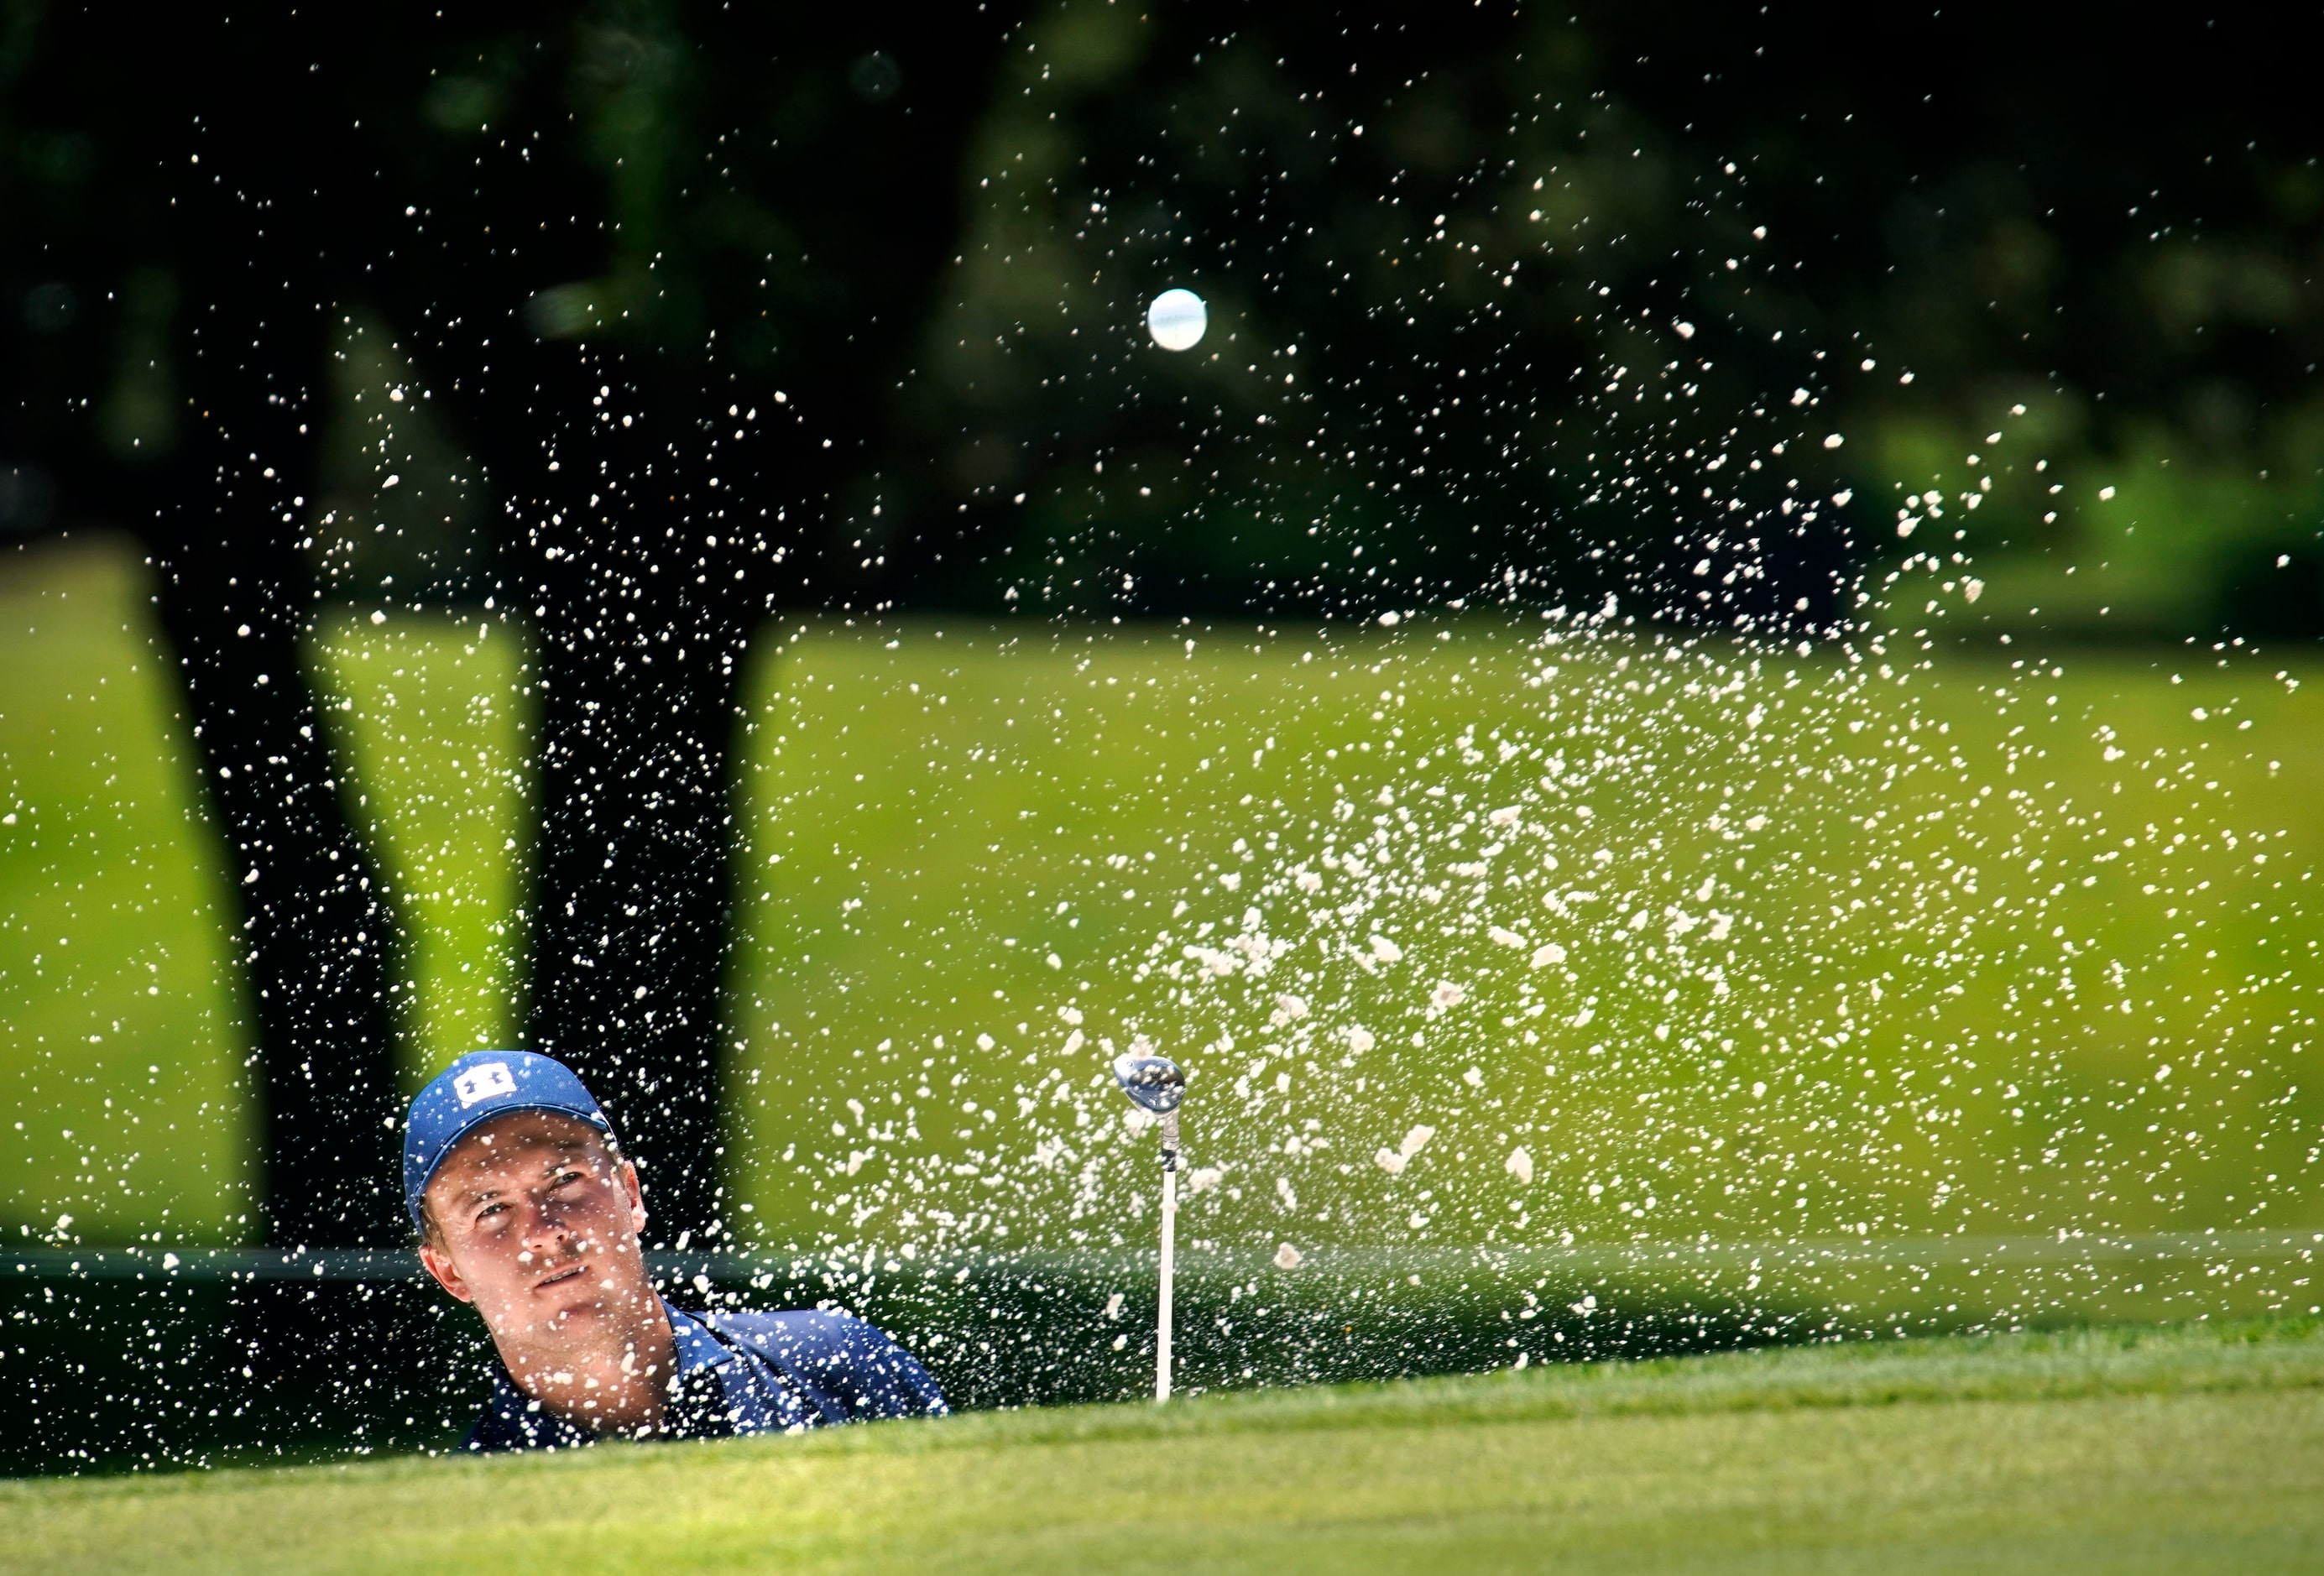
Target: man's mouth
[{"x": 561, "y": 1276}]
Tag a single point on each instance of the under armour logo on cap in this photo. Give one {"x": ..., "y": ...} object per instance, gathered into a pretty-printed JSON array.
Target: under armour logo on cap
[{"x": 483, "y": 1081}]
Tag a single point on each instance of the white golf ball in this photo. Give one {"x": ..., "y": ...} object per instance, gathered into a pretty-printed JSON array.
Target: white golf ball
[{"x": 1176, "y": 320}]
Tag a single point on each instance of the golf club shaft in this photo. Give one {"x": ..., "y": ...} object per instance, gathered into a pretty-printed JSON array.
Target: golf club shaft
[{"x": 1169, "y": 1256}]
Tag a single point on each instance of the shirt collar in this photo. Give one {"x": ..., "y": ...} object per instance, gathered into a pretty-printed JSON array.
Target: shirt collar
[{"x": 697, "y": 1349}]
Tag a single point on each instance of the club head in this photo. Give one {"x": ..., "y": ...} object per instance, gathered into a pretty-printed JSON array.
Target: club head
[{"x": 1154, "y": 1083}]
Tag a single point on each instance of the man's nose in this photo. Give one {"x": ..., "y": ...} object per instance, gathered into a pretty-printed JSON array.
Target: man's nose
[{"x": 546, "y": 1232}]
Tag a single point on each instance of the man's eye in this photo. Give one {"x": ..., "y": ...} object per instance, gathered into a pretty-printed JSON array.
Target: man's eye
[{"x": 489, "y": 1210}]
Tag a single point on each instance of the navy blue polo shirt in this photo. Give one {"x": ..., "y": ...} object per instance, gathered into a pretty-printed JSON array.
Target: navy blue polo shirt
[{"x": 744, "y": 1373}]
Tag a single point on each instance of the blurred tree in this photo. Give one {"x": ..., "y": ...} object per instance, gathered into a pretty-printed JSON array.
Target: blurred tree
[
  {"x": 634, "y": 233},
  {"x": 1471, "y": 333},
  {"x": 588, "y": 234},
  {"x": 1897, "y": 230}
]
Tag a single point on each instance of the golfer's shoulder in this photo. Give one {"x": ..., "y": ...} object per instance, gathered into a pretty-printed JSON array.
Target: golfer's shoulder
[
  {"x": 834, "y": 1353},
  {"x": 794, "y": 1334},
  {"x": 810, "y": 1340}
]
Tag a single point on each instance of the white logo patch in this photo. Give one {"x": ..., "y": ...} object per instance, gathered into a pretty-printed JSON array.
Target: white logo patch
[{"x": 483, "y": 1081}]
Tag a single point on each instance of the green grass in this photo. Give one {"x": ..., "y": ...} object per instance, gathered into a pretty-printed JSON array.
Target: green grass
[
  {"x": 121, "y": 1016},
  {"x": 2007, "y": 949},
  {"x": 433, "y": 717},
  {"x": 124, "y": 1033},
  {"x": 1876, "y": 950},
  {"x": 2196, "y": 1448}
]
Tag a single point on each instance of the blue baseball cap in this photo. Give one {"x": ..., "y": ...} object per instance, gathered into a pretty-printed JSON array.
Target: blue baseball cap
[{"x": 473, "y": 1091}]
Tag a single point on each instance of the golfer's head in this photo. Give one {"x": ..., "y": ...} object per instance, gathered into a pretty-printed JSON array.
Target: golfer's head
[{"x": 523, "y": 1201}]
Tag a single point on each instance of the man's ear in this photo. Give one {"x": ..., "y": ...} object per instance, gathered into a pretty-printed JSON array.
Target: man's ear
[
  {"x": 439, "y": 1265},
  {"x": 637, "y": 1195}
]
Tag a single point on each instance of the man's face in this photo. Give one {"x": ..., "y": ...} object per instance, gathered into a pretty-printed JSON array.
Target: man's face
[{"x": 536, "y": 1224}]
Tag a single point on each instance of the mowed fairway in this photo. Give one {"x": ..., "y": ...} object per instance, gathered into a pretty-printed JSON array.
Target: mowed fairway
[
  {"x": 2195, "y": 1449},
  {"x": 1839, "y": 946},
  {"x": 1758, "y": 947}
]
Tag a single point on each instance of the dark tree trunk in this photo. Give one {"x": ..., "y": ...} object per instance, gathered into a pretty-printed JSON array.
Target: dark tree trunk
[
  {"x": 314, "y": 935},
  {"x": 632, "y": 876},
  {"x": 639, "y": 631}
]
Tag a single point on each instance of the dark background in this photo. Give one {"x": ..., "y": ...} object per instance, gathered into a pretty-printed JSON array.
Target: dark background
[{"x": 700, "y": 311}]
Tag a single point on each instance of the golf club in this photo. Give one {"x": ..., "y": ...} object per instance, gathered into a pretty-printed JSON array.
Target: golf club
[{"x": 1155, "y": 1084}]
